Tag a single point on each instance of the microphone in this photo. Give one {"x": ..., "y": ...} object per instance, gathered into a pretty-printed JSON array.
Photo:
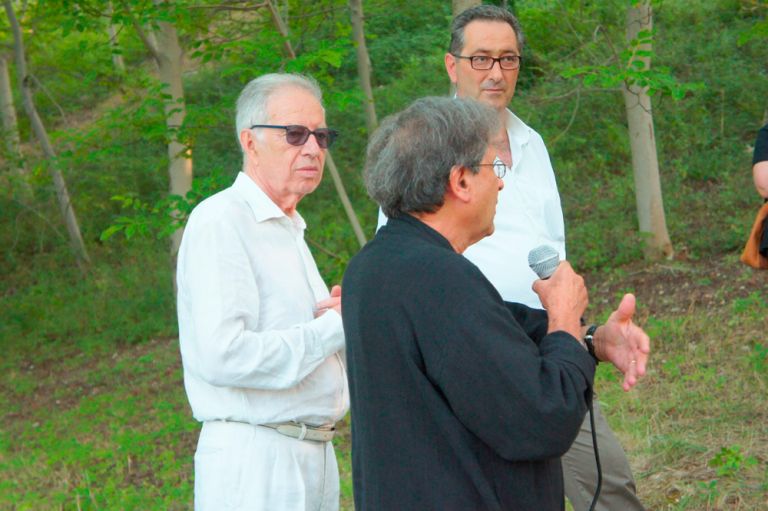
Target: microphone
[{"x": 543, "y": 260}]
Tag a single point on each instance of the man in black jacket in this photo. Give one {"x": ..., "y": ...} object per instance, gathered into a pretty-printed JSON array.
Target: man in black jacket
[{"x": 460, "y": 400}]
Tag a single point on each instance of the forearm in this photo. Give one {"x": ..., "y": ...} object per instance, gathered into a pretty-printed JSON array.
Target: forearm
[
  {"x": 228, "y": 354},
  {"x": 529, "y": 401},
  {"x": 760, "y": 176}
]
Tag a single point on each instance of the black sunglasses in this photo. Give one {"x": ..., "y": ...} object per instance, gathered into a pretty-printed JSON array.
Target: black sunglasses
[{"x": 298, "y": 135}]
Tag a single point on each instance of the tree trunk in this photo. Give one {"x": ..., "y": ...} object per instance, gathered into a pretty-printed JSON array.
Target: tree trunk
[
  {"x": 338, "y": 183},
  {"x": 10, "y": 133},
  {"x": 363, "y": 63},
  {"x": 65, "y": 204},
  {"x": 282, "y": 28},
  {"x": 645, "y": 164},
  {"x": 169, "y": 61},
  {"x": 8, "y": 113},
  {"x": 166, "y": 51},
  {"x": 117, "y": 58}
]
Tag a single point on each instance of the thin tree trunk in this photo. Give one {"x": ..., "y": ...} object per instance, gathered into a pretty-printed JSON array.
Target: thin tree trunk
[
  {"x": 282, "y": 28},
  {"x": 166, "y": 51},
  {"x": 10, "y": 133},
  {"x": 112, "y": 29},
  {"x": 8, "y": 113},
  {"x": 363, "y": 63},
  {"x": 169, "y": 61},
  {"x": 65, "y": 204},
  {"x": 337, "y": 181},
  {"x": 645, "y": 164}
]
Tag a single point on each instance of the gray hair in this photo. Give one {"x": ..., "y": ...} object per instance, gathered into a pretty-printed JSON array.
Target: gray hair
[
  {"x": 254, "y": 99},
  {"x": 411, "y": 155},
  {"x": 485, "y": 13}
]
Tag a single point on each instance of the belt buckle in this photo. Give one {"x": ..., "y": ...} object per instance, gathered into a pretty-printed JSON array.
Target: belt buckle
[{"x": 302, "y": 431}]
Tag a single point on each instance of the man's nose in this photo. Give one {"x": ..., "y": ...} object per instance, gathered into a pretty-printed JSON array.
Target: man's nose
[
  {"x": 496, "y": 72},
  {"x": 311, "y": 146}
]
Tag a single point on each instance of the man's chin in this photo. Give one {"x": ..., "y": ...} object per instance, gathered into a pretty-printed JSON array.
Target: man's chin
[{"x": 494, "y": 100}]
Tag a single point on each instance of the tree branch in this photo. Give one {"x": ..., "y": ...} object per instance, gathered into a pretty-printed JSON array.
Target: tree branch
[
  {"x": 141, "y": 32},
  {"x": 50, "y": 96},
  {"x": 322, "y": 248},
  {"x": 554, "y": 140}
]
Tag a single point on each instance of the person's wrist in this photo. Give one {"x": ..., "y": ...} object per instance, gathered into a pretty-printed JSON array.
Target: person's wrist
[
  {"x": 569, "y": 327},
  {"x": 590, "y": 342}
]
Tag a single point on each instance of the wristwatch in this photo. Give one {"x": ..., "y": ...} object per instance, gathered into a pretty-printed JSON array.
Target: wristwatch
[{"x": 589, "y": 340}]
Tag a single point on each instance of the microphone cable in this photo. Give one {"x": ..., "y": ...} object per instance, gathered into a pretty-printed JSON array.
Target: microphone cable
[
  {"x": 544, "y": 260},
  {"x": 597, "y": 454}
]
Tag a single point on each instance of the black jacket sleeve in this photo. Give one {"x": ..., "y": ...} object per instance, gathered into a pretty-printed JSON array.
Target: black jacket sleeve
[
  {"x": 525, "y": 399},
  {"x": 532, "y": 321}
]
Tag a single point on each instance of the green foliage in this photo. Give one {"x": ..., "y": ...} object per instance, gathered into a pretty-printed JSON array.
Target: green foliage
[
  {"x": 120, "y": 151},
  {"x": 730, "y": 460},
  {"x": 126, "y": 298},
  {"x": 758, "y": 11},
  {"x": 631, "y": 70},
  {"x": 168, "y": 214},
  {"x": 758, "y": 359}
]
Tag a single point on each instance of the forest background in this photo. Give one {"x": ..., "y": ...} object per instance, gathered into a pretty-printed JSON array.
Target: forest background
[{"x": 94, "y": 414}]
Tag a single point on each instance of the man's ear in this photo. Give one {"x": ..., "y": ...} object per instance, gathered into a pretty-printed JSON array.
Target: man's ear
[
  {"x": 450, "y": 67},
  {"x": 248, "y": 141},
  {"x": 460, "y": 183}
]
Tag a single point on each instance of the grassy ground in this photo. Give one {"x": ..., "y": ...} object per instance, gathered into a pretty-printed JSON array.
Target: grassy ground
[{"x": 107, "y": 426}]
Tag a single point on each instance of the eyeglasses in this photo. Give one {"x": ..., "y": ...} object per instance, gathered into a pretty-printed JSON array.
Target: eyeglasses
[
  {"x": 499, "y": 168},
  {"x": 298, "y": 135},
  {"x": 485, "y": 63}
]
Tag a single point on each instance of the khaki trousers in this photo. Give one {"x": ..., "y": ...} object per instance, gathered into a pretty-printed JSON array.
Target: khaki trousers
[{"x": 617, "y": 492}]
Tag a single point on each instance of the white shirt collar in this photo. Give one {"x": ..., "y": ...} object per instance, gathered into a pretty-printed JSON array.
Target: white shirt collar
[
  {"x": 517, "y": 129},
  {"x": 262, "y": 206}
]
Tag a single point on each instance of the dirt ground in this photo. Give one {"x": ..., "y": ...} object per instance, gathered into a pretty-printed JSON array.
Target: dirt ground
[{"x": 678, "y": 286}]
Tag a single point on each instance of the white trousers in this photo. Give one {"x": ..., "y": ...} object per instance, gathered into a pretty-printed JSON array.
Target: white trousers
[{"x": 241, "y": 467}]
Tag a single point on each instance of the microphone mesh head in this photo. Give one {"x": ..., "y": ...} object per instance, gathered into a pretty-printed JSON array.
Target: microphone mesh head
[{"x": 543, "y": 260}]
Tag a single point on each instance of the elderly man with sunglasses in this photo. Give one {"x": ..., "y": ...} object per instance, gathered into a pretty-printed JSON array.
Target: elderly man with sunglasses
[{"x": 261, "y": 337}]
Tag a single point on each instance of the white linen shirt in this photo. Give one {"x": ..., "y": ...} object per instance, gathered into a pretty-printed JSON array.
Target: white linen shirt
[
  {"x": 528, "y": 214},
  {"x": 251, "y": 348}
]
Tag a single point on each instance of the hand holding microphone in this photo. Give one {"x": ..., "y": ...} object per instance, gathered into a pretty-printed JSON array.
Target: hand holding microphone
[{"x": 562, "y": 292}]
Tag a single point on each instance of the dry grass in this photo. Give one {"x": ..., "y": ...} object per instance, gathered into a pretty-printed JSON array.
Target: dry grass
[{"x": 696, "y": 429}]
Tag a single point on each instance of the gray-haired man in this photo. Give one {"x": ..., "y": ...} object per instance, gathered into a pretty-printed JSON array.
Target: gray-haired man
[{"x": 460, "y": 400}]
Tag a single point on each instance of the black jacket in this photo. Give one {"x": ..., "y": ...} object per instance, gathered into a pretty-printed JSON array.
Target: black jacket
[{"x": 460, "y": 401}]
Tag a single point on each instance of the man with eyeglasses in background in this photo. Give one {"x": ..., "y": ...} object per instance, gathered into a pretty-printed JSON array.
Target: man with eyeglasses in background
[
  {"x": 483, "y": 61},
  {"x": 261, "y": 337}
]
